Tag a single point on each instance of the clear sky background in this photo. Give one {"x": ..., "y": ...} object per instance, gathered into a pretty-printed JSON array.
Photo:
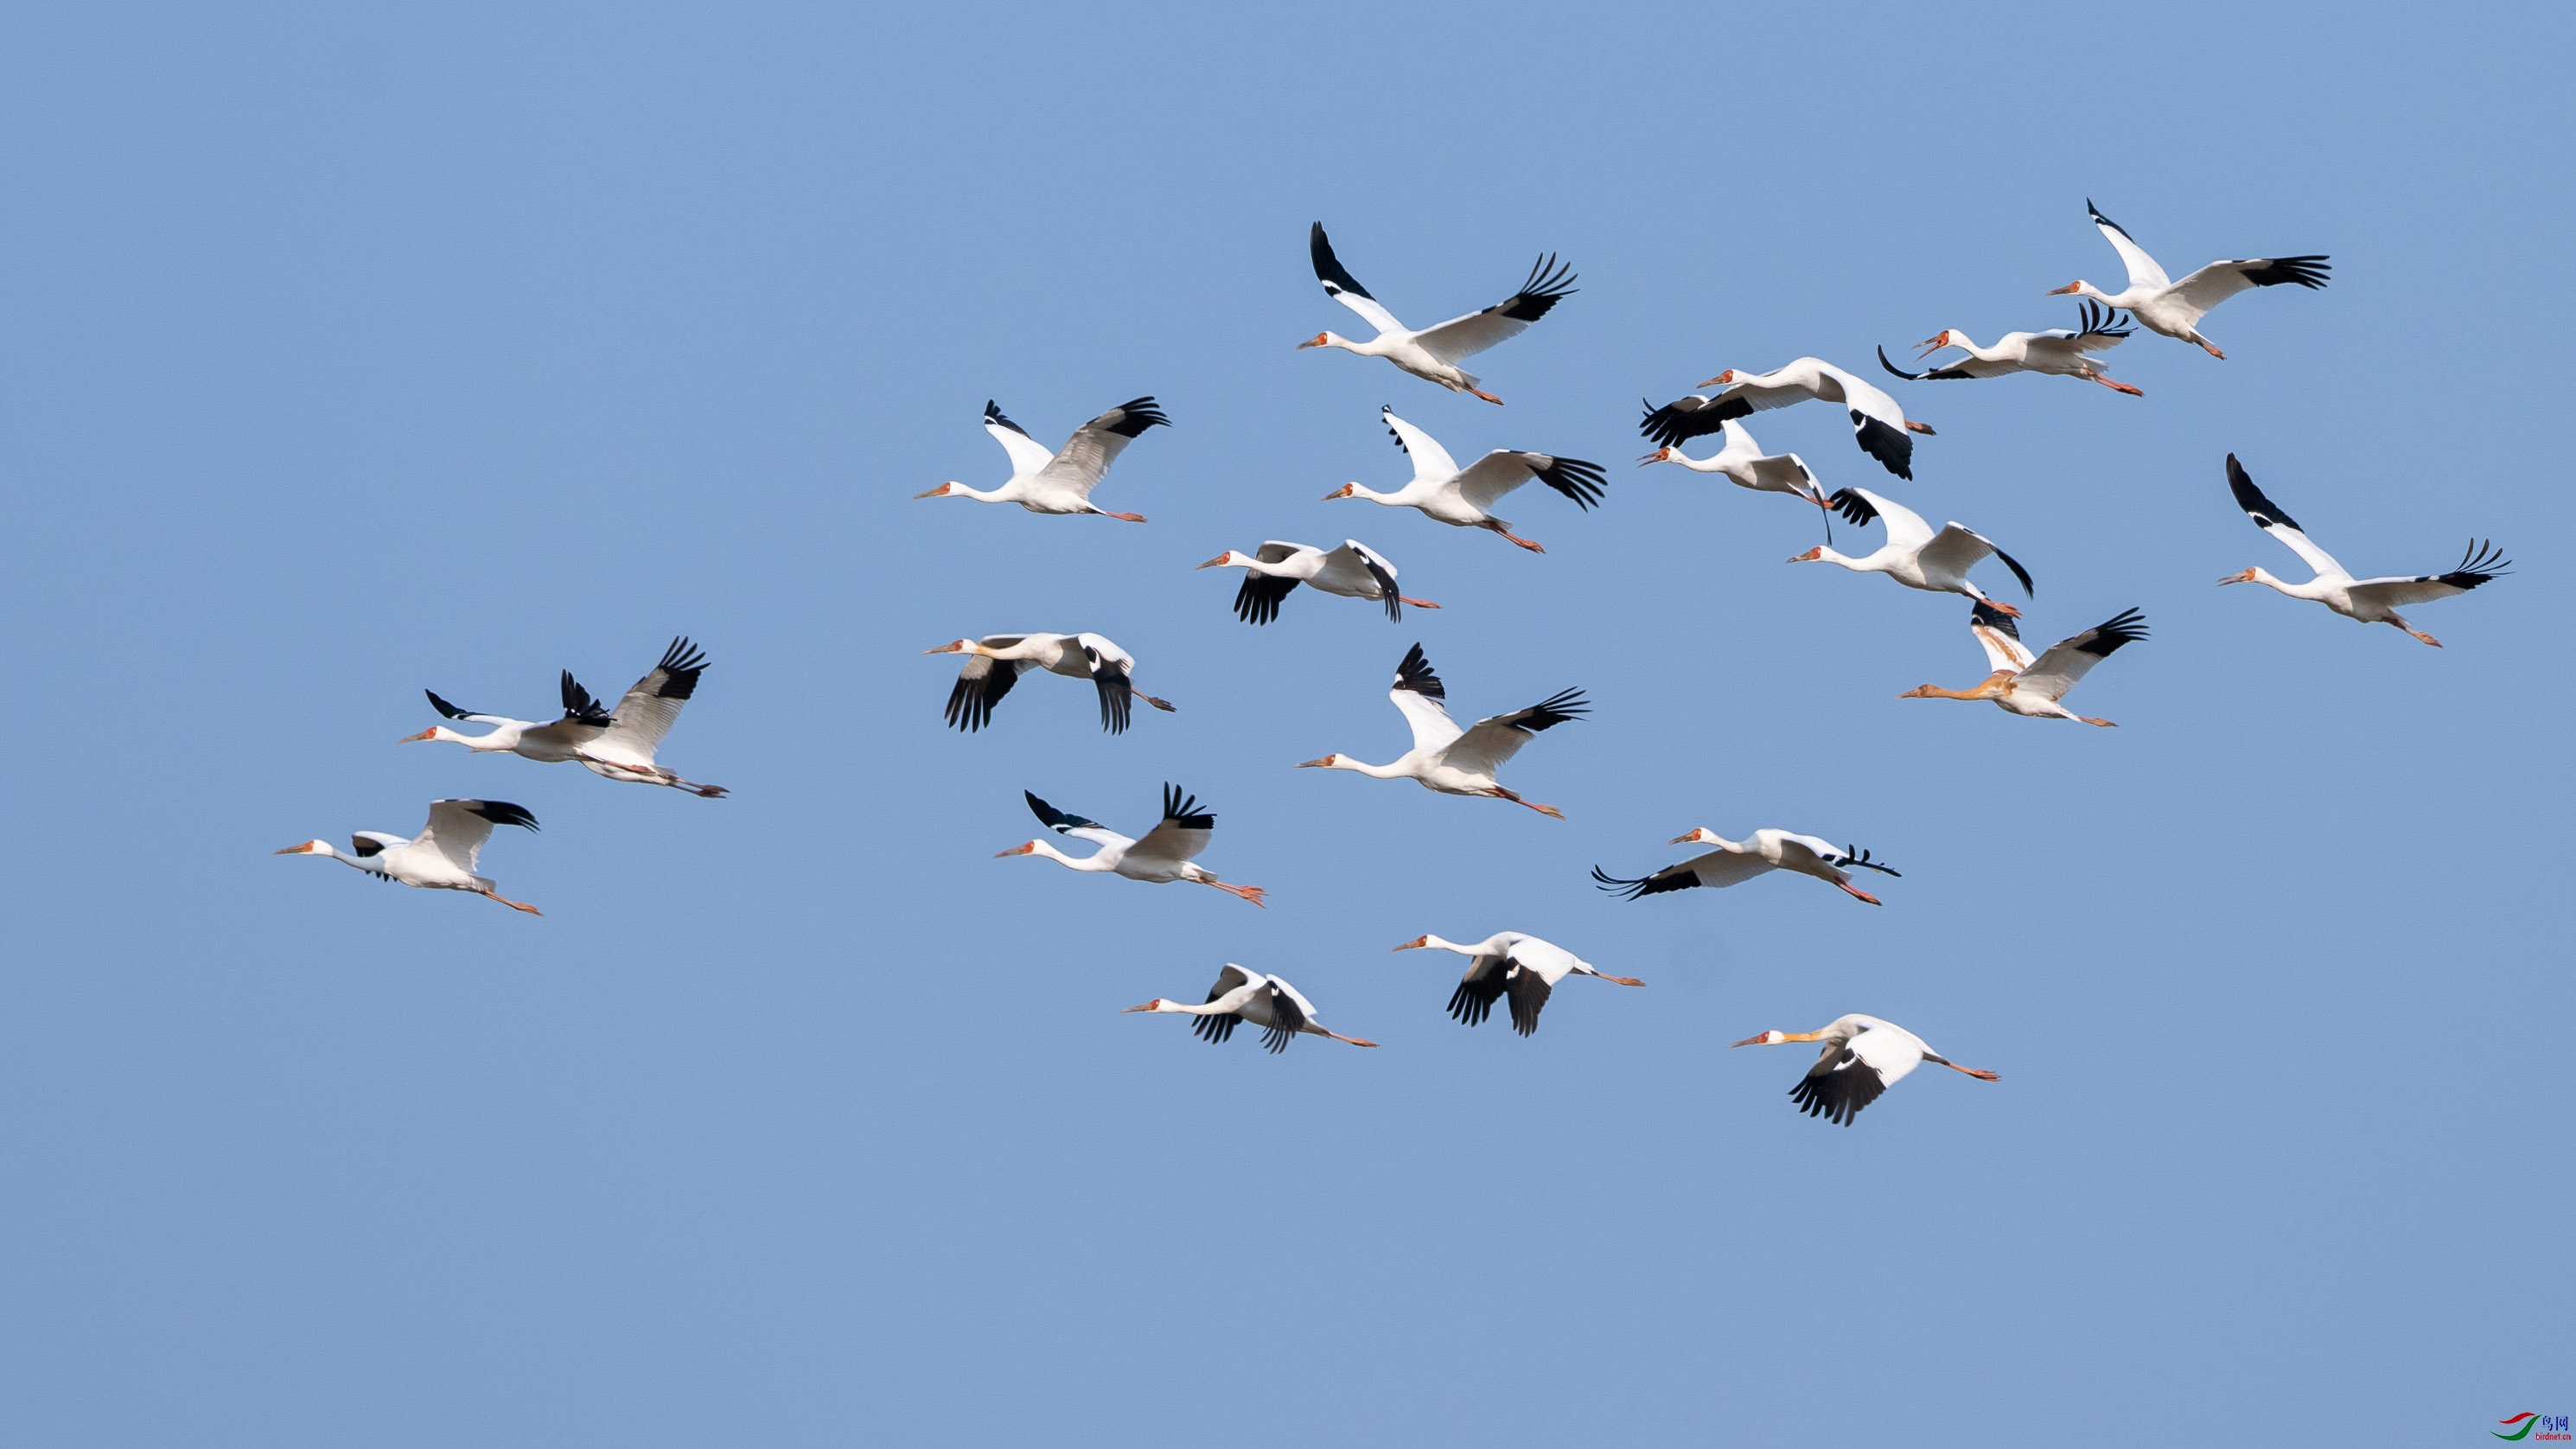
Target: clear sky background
[{"x": 352, "y": 353}]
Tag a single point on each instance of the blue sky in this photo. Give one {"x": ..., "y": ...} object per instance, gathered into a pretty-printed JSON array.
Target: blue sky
[{"x": 350, "y": 354}]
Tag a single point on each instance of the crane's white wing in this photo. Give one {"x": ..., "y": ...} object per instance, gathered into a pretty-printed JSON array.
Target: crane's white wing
[
  {"x": 1357, "y": 570},
  {"x": 1887, "y": 1051},
  {"x": 1858, "y": 393},
  {"x": 1491, "y": 742},
  {"x": 2276, "y": 521},
  {"x": 2071, "y": 658},
  {"x": 1955, "y": 548},
  {"x": 1548, "y": 961},
  {"x": 458, "y": 828},
  {"x": 1086, "y": 456},
  {"x": 1418, "y": 693},
  {"x": 1785, "y": 472},
  {"x": 1181, "y": 834},
  {"x": 2143, "y": 271},
  {"x": 1720, "y": 868},
  {"x": 2481, "y": 563},
  {"x": 1233, "y": 978},
  {"x": 1344, "y": 288},
  {"x": 1028, "y": 455},
  {"x": 2219, "y": 281},
  {"x": 1464, "y": 337},
  {"x": 645, "y": 715},
  {"x": 1431, "y": 462},
  {"x": 1905, "y": 528},
  {"x": 1489, "y": 478}
]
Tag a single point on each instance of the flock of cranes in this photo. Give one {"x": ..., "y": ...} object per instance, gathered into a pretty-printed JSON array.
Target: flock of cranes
[{"x": 1861, "y": 1056}]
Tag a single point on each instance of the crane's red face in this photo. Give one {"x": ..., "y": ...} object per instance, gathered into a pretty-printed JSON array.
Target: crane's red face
[
  {"x": 1320, "y": 339},
  {"x": 1325, "y": 763},
  {"x": 310, "y": 847},
  {"x": 939, "y": 492},
  {"x": 1344, "y": 491},
  {"x": 430, "y": 733},
  {"x": 1029, "y": 849},
  {"x": 1810, "y": 556},
  {"x": 1220, "y": 560},
  {"x": 1721, "y": 380},
  {"x": 1148, "y": 1006},
  {"x": 962, "y": 646},
  {"x": 2246, "y": 577},
  {"x": 1765, "y": 1039},
  {"x": 1657, "y": 456},
  {"x": 1416, "y": 944},
  {"x": 2062, "y": 291}
]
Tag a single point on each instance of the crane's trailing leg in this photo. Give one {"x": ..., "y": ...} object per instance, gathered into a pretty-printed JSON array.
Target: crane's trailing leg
[
  {"x": 1857, "y": 893},
  {"x": 1551, "y": 811},
  {"x": 2115, "y": 386},
  {"x": 2104, "y": 723},
  {"x": 1489, "y": 397},
  {"x": 1529, "y": 544},
  {"x": 1417, "y": 603},
  {"x": 1123, "y": 517},
  {"x": 1253, "y": 894},
  {"x": 2211, "y": 348},
  {"x": 513, "y": 905}
]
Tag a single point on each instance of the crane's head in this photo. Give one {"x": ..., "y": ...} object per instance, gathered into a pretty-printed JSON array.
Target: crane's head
[
  {"x": 1418, "y": 943},
  {"x": 1157, "y": 1004},
  {"x": 1229, "y": 560},
  {"x": 961, "y": 646},
  {"x": 1701, "y": 836},
  {"x": 944, "y": 490},
  {"x": 1813, "y": 555},
  {"x": 1347, "y": 490},
  {"x": 1723, "y": 379},
  {"x": 310, "y": 847},
  {"x": 1947, "y": 337},
  {"x": 1329, "y": 762},
  {"x": 2078, "y": 288},
  {"x": 2247, "y": 577},
  {"x": 1322, "y": 339},
  {"x": 1031, "y": 848},
  {"x": 1660, "y": 455}
]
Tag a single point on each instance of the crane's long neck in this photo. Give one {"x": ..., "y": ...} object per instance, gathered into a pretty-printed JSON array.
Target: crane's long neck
[
  {"x": 1869, "y": 564},
  {"x": 1394, "y": 771},
  {"x": 1105, "y": 858},
  {"x": 1992, "y": 686}
]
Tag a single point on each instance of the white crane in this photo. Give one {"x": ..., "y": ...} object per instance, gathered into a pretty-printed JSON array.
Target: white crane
[
  {"x": 1513, "y": 964},
  {"x": 441, "y": 857},
  {"x": 2029, "y": 686},
  {"x": 1914, "y": 555},
  {"x": 1448, "y": 759},
  {"x": 1354, "y": 571},
  {"x": 1435, "y": 352},
  {"x": 1163, "y": 856},
  {"x": 1268, "y": 1002},
  {"x": 1742, "y": 462},
  {"x": 1464, "y": 498},
  {"x": 1863, "y": 1057},
  {"x": 2175, "y": 308},
  {"x": 1737, "y": 861},
  {"x": 996, "y": 662},
  {"x": 1879, "y": 425},
  {"x": 1061, "y": 481},
  {"x": 618, "y": 747},
  {"x": 2059, "y": 351},
  {"x": 2372, "y": 601}
]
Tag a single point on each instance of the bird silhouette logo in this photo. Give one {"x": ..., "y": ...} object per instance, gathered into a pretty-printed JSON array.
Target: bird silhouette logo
[{"x": 2526, "y": 1420}]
